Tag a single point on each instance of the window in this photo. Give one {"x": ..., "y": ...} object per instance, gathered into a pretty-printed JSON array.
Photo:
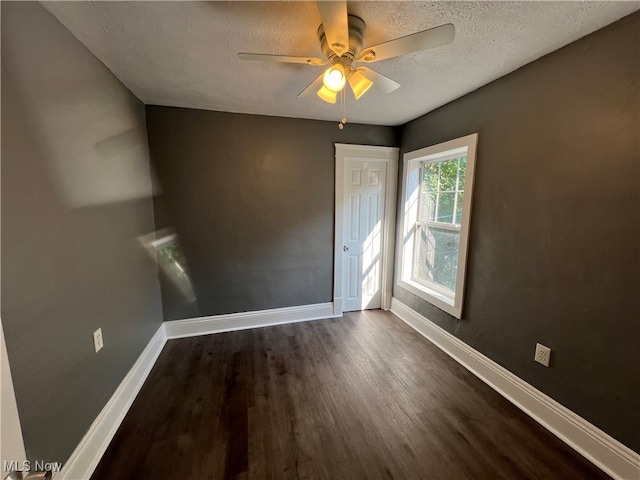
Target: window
[{"x": 437, "y": 206}]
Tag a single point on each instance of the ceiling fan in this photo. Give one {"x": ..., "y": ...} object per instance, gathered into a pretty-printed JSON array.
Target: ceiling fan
[{"x": 341, "y": 39}]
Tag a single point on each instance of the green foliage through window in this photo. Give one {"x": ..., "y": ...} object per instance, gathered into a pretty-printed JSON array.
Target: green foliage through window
[{"x": 442, "y": 191}]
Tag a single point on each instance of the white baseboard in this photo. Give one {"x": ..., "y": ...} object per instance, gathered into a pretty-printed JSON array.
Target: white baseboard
[
  {"x": 597, "y": 446},
  {"x": 241, "y": 321},
  {"x": 89, "y": 451}
]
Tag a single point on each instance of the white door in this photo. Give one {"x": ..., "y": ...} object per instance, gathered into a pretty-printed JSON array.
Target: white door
[{"x": 364, "y": 194}]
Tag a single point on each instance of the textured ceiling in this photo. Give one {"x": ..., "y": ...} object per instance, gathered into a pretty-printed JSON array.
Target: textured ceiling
[{"x": 184, "y": 53}]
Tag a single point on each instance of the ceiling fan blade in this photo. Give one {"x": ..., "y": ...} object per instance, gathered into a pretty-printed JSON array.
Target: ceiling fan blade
[
  {"x": 312, "y": 88},
  {"x": 431, "y": 38},
  {"x": 282, "y": 58},
  {"x": 382, "y": 83},
  {"x": 334, "y": 22}
]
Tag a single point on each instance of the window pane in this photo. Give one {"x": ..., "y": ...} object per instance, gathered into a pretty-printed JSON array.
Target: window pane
[
  {"x": 445, "y": 207},
  {"x": 462, "y": 172},
  {"x": 448, "y": 174},
  {"x": 427, "y": 209},
  {"x": 437, "y": 259},
  {"x": 430, "y": 177},
  {"x": 459, "y": 208}
]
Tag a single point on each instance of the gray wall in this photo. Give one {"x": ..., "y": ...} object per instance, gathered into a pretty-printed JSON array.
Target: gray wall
[
  {"x": 554, "y": 252},
  {"x": 76, "y": 194},
  {"x": 252, "y": 200}
]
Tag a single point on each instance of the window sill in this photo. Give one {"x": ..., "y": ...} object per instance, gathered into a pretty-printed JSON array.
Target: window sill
[{"x": 435, "y": 298}]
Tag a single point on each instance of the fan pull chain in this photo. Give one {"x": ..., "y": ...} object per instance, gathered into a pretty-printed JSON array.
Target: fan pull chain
[{"x": 343, "y": 101}]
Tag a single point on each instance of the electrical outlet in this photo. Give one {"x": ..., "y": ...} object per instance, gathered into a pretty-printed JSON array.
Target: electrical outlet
[
  {"x": 97, "y": 340},
  {"x": 543, "y": 354}
]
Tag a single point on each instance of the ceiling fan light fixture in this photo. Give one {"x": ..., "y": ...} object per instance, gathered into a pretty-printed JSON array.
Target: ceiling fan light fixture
[
  {"x": 335, "y": 78},
  {"x": 359, "y": 84},
  {"x": 341, "y": 38},
  {"x": 327, "y": 95}
]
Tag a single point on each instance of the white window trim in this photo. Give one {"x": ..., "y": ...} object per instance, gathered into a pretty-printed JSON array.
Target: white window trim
[{"x": 410, "y": 192}]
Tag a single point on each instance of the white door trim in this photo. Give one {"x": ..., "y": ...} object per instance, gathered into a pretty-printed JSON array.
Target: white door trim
[
  {"x": 389, "y": 155},
  {"x": 11, "y": 441}
]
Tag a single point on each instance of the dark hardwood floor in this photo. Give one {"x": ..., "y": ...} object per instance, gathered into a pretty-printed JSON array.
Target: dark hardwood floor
[{"x": 362, "y": 396}]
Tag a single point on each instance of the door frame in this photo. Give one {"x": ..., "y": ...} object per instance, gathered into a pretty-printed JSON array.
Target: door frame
[
  {"x": 388, "y": 155},
  {"x": 11, "y": 441}
]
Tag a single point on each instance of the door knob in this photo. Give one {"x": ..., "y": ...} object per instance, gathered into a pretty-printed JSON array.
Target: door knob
[{"x": 345, "y": 249}]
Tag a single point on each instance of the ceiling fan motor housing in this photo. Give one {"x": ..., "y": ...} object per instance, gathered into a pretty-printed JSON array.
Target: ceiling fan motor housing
[{"x": 357, "y": 28}]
